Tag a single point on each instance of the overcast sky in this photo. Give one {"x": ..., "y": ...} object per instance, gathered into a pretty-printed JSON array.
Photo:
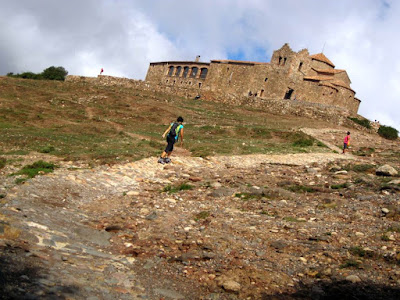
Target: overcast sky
[{"x": 124, "y": 36}]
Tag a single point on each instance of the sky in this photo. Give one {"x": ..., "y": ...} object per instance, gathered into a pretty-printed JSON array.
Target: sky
[{"x": 124, "y": 36}]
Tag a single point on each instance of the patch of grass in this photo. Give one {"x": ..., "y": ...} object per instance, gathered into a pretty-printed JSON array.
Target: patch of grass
[
  {"x": 303, "y": 142},
  {"x": 321, "y": 144},
  {"x": 47, "y": 149},
  {"x": 394, "y": 229},
  {"x": 247, "y": 196},
  {"x": 362, "y": 168},
  {"x": 202, "y": 215},
  {"x": 364, "y": 151},
  {"x": 300, "y": 189},
  {"x": 358, "y": 251},
  {"x": 385, "y": 238},
  {"x": 3, "y": 162},
  {"x": 174, "y": 189},
  {"x": 293, "y": 219},
  {"x": 350, "y": 263},
  {"x": 363, "y": 122},
  {"x": 36, "y": 168},
  {"x": 339, "y": 186},
  {"x": 329, "y": 205}
]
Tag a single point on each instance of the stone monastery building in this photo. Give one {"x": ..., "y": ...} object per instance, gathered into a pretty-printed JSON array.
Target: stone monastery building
[{"x": 290, "y": 75}]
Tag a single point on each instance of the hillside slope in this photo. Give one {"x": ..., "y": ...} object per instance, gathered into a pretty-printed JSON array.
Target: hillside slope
[{"x": 251, "y": 211}]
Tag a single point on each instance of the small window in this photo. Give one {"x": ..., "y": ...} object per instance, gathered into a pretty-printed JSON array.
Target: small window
[
  {"x": 199, "y": 85},
  {"x": 185, "y": 72},
  {"x": 194, "y": 72},
  {"x": 203, "y": 73},
  {"x": 171, "y": 71},
  {"x": 284, "y": 61},
  {"x": 280, "y": 59},
  {"x": 261, "y": 93},
  {"x": 300, "y": 65},
  {"x": 266, "y": 79},
  {"x": 178, "y": 71},
  {"x": 288, "y": 94}
]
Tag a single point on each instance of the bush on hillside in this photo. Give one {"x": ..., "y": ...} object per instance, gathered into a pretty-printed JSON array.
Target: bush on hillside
[
  {"x": 54, "y": 73},
  {"x": 51, "y": 73},
  {"x": 388, "y": 132},
  {"x": 363, "y": 122}
]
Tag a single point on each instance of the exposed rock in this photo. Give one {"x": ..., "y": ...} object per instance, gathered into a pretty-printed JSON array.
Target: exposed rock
[
  {"x": 386, "y": 170},
  {"x": 353, "y": 278},
  {"x": 230, "y": 285}
]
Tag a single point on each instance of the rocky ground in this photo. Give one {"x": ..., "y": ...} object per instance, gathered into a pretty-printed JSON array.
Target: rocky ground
[{"x": 297, "y": 226}]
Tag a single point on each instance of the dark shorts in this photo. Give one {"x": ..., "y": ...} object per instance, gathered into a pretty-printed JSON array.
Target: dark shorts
[
  {"x": 171, "y": 142},
  {"x": 345, "y": 146}
]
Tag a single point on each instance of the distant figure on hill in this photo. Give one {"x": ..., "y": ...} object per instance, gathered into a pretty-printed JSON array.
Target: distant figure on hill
[
  {"x": 346, "y": 143},
  {"x": 101, "y": 71},
  {"x": 173, "y": 132}
]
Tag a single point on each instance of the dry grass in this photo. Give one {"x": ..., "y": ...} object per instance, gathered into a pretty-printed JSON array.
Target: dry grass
[{"x": 79, "y": 121}]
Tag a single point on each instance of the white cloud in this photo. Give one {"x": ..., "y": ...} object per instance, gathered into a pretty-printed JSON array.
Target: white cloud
[{"x": 124, "y": 36}]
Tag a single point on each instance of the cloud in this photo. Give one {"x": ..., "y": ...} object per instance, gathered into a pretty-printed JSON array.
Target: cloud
[{"x": 123, "y": 37}]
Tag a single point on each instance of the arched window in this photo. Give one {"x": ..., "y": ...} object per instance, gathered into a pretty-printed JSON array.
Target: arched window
[
  {"x": 194, "y": 72},
  {"x": 171, "y": 71},
  {"x": 203, "y": 73},
  {"x": 178, "y": 71},
  {"x": 185, "y": 72}
]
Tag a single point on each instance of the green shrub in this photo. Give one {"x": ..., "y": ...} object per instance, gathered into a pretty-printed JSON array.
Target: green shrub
[
  {"x": 34, "y": 169},
  {"x": 54, "y": 73},
  {"x": 388, "y": 132},
  {"x": 47, "y": 149},
  {"x": 174, "y": 189},
  {"x": 339, "y": 186},
  {"x": 350, "y": 263},
  {"x": 302, "y": 142},
  {"x": 362, "y": 167},
  {"x": 301, "y": 189},
  {"x": 3, "y": 162},
  {"x": 363, "y": 122},
  {"x": 201, "y": 215},
  {"x": 51, "y": 73}
]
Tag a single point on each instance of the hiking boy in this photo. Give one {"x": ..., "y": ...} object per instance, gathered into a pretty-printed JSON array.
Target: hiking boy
[
  {"x": 173, "y": 132},
  {"x": 346, "y": 143}
]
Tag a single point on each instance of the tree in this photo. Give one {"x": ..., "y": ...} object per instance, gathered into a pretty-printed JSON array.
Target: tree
[{"x": 54, "y": 73}]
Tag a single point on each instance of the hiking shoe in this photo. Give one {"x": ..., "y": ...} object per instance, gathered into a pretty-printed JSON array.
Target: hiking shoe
[
  {"x": 161, "y": 160},
  {"x": 167, "y": 160}
]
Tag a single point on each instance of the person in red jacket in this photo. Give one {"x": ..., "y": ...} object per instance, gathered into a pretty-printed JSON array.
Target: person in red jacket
[{"x": 346, "y": 143}]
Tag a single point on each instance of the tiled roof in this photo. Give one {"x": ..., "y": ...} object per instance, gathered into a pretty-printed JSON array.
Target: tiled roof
[
  {"x": 323, "y": 58},
  {"x": 338, "y": 82},
  {"x": 328, "y": 71}
]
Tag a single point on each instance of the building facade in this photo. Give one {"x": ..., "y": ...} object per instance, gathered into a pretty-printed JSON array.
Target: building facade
[{"x": 289, "y": 75}]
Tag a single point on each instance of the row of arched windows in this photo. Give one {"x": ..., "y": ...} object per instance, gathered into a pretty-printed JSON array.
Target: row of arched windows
[{"x": 185, "y": 72}]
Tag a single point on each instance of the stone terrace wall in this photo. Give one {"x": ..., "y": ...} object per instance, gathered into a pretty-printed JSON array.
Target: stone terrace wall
[{"x": 310, "y": 110}]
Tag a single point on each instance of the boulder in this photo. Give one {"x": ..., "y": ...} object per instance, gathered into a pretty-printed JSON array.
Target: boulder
[{"x": 386, "y": 170}]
